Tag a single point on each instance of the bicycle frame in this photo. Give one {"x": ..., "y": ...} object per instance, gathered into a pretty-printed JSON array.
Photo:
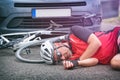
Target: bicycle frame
[{"x": 5, "y": 42}]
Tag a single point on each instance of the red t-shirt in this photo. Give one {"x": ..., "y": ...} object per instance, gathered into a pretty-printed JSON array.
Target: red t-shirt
[{"x": 105, "y": 52}]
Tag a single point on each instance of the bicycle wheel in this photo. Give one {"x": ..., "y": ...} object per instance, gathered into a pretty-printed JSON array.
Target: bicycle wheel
[{"x": 25, "y": 53}]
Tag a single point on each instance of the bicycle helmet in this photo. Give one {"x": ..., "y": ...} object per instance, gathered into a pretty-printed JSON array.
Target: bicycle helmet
[{"x": 46, "y": 51}]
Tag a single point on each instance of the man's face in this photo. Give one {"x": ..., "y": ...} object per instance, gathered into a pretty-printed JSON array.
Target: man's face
[{"x": 62, "y": 52}]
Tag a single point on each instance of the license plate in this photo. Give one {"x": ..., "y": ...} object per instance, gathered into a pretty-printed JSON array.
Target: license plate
[{"x": 40, "y": 13}]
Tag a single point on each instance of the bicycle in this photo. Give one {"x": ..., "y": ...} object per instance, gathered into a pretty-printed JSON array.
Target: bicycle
[{"x": 23, "y": 43}]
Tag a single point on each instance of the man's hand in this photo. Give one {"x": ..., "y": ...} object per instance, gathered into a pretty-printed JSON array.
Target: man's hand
[{"x": 70, "y": 64}]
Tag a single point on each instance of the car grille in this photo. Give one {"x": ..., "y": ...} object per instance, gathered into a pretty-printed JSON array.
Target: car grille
[
  {"x": 42, "y": 23},
  {"x": 82, "y": 3}
]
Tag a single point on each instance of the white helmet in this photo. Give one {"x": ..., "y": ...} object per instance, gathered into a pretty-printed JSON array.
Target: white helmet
[{"x": 47, "y": 52}]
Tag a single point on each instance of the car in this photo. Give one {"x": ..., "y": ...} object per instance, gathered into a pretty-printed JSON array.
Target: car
[{"x": 57, "y": 15}]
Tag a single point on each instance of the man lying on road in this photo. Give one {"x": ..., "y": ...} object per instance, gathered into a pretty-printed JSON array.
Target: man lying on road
[{"x": 83, "y": 47}]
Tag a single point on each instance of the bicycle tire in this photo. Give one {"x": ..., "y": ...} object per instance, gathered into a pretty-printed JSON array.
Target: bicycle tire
[{"x": 18, "y": 53}]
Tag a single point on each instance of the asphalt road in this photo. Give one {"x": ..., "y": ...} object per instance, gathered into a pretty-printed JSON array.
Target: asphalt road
[{"x": 13, "y": 69}]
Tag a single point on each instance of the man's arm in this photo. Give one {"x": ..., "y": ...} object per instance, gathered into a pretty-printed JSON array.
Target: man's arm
[
  {"x": 89, "y": 37},
  {"x": 86, "y": 63},
  {"x": 93, "y": 45}
]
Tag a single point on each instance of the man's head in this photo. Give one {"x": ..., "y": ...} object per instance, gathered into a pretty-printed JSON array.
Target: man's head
[{"x": 55, "y": 52}]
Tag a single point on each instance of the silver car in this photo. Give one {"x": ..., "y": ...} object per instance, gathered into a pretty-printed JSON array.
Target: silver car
[{"x": 58, "y": 15}]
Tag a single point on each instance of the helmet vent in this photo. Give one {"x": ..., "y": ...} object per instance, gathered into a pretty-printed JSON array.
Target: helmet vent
[
  {"x": 43, "y": 45},
  {"x": 46, "y": 50}
]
